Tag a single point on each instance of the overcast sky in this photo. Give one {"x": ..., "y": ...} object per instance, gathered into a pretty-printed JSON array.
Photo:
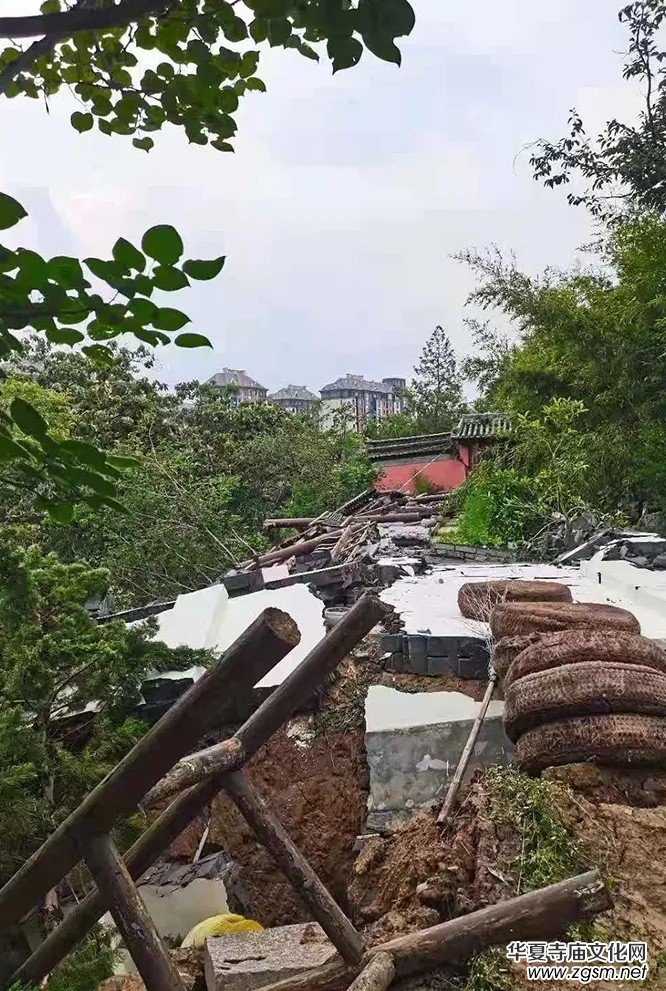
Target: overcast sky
[{"x": 347, "y": 194}]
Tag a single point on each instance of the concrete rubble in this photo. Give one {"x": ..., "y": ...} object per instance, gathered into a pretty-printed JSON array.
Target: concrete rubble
[
  {"x": 411, "y": 697},
  {"x": 249, "y": 961}
]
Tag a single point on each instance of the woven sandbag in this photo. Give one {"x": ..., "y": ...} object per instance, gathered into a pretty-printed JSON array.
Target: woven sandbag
[
  {"x": 512, "y": 619},
  {"x": 506, "y": 651},
  {"x": 476, "y": 599},
  {"x": 551, "y": 650},
  {"x": 582, "y": 689},
  {"x": 624, "y": 740}
]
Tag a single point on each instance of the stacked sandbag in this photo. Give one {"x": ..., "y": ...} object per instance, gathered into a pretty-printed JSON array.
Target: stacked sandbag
[
  {"x": 587, "y": 695},
  {"x": 476, "y": 600},
  {"x": 512, "y": 619},
  {"x": 506, "y": 650}
]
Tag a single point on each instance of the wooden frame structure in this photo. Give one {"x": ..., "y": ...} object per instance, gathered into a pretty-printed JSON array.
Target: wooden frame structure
[{"x": 86, "y": 834}]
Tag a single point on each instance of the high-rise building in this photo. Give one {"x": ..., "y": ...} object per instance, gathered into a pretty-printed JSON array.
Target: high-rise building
[
  {"x": 293, "y": 398},
  {"x": 361, "y": 400},
  {"x": 241, "y": 387}
]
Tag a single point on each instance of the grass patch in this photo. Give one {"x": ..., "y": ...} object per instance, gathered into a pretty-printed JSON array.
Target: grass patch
[
  {"x": 489, "y": 972},
  {"x": 548, "y": 850}
]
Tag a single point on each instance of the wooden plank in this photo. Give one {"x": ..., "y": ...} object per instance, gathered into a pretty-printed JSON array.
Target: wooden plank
[
  {"x": 377, "y": 975},
  {"x": 454, "y": 787},
  {"x": 265, "y": 642},
  {"x": 294, "y": 523},
  {"x": 131, "y": 915},
  {"x": 541, "y": 914},
  {"x": 287, "y": 698},
  {"x": 272, "y": 834}
]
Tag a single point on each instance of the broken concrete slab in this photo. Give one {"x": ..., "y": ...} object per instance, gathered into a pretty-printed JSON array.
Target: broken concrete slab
[
  {"x": 249, "y": 961},
  {"x": 414, "y": 742}
]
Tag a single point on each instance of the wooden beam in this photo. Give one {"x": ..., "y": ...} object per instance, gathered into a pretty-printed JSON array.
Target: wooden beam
[
  {"x": 131, "y": 915},
  {"x": 265, "y": 642},
  {"x": 272, "y": 834},
  {"x": 456, "y": 781},
  {"x": 377, "y": 975},
  {"x": 286, "y": 699},
  {"x": 541, "y": 914},
  {"x": 227, "y": 756},
  {"x": 299, "y": 523}
]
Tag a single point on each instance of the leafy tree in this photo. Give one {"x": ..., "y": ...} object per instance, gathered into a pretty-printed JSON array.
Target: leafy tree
[
  {"x": 595, "y": 337},
  {"x": 435, "y": 397},
  {"x": 492, "y": 350},
  {"x": 205, "y": 476},
  {"x": 99, "y": 51},
  {"x": 624, "y": 167},
  {"x": 64, "y": 679}
]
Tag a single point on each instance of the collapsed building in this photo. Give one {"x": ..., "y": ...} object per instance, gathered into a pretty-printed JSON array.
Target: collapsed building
[{"x": 441, "y": 668}]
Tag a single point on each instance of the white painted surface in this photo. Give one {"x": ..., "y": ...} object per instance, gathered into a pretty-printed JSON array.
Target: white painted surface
[
  {"x": 388, "y": 709},
  {"x": 209, "y": 618},
  {"x": 176, "y": 910},
  {"x": 429, "y": 603}
]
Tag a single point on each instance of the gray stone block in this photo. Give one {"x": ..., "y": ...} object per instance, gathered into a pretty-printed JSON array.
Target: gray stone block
[
  {"x": 396, "y": 662},
  {"x": 439, "y": 666},
  {"x": 390, "y": 643},
  {"x": 243, "y": 583},
  {"x": 442, "y": 646},
  {"x": 472, "y": 668},
  {"x": 251, "y": 960},
  {"x": 417, "y": 654}
]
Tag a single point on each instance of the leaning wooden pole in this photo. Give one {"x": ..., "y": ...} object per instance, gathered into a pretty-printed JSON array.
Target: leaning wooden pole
[
  {"x": 377, "y": 975},
  {"x": 273, "y": 836},
  {"x": 456, "y": 781},
  {"x": 230, "y": 755},
  {"x": 130, "y": 915},
  {"x": 265, "y": 642},
  {"x": 282, "y": 703},
  {"x": 541, "y": 914}
]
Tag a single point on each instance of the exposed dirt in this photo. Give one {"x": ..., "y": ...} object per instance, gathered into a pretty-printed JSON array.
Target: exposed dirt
[
  {"x": 189, "y": 964},
  {"x": 318, "y": 790},
  {"x": 636, "y": 787}
]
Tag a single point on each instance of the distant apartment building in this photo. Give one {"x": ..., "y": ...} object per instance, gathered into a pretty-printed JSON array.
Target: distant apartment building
[
  {"x": 361, "y": 400},
  {"x": 242, "y": 388},
  {"x": 293, "y": 398}
]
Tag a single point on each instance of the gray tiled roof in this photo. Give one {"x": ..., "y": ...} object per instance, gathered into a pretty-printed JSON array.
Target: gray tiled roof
[
  {"x": 294, "y": 392},
  {"x": 234, "y": 376},
  {"x": 357, "y": 382},
  {"x": 400, "y": 447},
  {"x": 476, "y": 425}
]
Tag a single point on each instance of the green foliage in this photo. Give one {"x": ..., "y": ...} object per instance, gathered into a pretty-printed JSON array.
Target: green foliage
[
  {"x": 623, "y": 168},
  {"x": 205, "y": 473},
  {"x": 198, "y": 65},
  {"x": 548, "y": 851},
  {"x": 500, "y": 506},
  {"x": 56, "y": 664},
  {"x": 190, "y": 79},
  {"x": 83, "y": 970},
  {"x": 489, "y": 971},
  {"x": 434, "y": 399},
  {"x": 598, "y": 340}
]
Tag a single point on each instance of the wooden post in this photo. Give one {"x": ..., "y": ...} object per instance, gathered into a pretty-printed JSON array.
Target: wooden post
[
  {"x": 377, "y": 975},
  {"x": 265, "y": 642},
  {"x": 287, "y": 698},
  {"x": 299, "y": 523},
  {"x": 131, "y": 916},
  {"x": 226, "y": 756},
  {"x": 454, "y": 787},
  {"x": 541, "y": 914},
  {"x": 272, "y": 834}
]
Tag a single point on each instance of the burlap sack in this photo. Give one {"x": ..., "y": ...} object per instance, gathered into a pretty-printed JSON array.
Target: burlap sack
[
  {"x": 512, "y": 619},
  {"x": 622, "y": 740},
  {"x": 551, "y": 650},
  {"x": 477, "y": 599},
  {"x": 582, "y": 689}
]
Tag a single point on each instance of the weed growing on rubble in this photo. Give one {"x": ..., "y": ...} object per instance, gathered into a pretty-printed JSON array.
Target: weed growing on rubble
[
  {"x": 548, "y": 850},
  {"x": 489, "y": 971}
]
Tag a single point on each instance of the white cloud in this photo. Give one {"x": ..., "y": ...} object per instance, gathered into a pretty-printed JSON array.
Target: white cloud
[{"x": 346, "y": 195}]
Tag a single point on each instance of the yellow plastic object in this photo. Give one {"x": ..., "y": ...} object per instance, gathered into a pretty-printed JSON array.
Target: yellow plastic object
[{"x": 220, "y": 925}]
